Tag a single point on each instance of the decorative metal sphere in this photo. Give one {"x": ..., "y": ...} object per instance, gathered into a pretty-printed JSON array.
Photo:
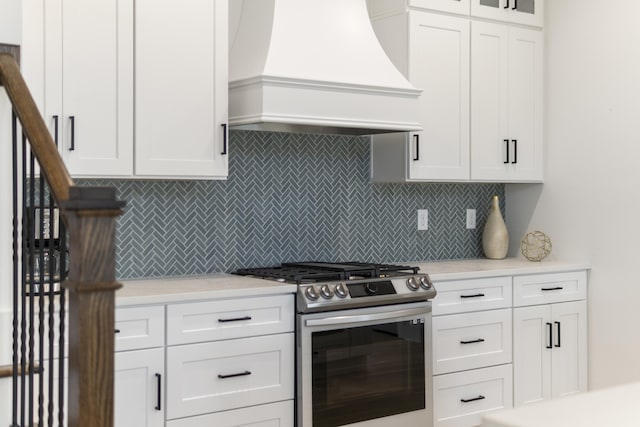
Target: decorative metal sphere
[{"x": 535, "y": 246}]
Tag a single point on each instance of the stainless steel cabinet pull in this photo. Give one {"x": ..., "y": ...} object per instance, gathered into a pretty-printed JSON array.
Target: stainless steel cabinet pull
[
  {"x": 472, "y": 296},
  {"x": 480, "y": 397},
  {"x": 239, "y": 374},
  {"x": 472, "y": 341},
  {"x": 73, "y": 133},
  {"x": 159, "y": 396},
  {"x": 417, "y": 138},
  {"x": 234, "y": 319},
  {"x": 558, "y": 324},
  {"x": 224, "y": 139},
  {"x": 550, "y": 326}
]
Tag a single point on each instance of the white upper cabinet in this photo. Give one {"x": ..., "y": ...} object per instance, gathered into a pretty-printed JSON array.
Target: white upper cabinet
[
  {"x": 181, "y": 89},
  {"x": 506, "y": 108},
  {"x": 526, "y": 12},
  {"x": 79, "y": 62},
  {"x": 435, "y": 59}
]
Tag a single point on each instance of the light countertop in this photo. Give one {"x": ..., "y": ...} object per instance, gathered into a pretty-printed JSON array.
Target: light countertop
[
  {"x": 164, "y": 290},
  {"x": 479, "y": 268},
  {"x": 616, "y": 406}
]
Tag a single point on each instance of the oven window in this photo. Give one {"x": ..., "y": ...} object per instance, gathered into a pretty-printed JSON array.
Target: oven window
[{"x": 367, "y": 372}]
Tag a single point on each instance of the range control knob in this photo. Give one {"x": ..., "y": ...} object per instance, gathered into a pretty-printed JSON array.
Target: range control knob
[
  {"x": 425, "y": 283},
  {"x": 412, "y": 283},
  {"x": 312, "y": 293},
  {"x": 326, "y": 292},
  {"x": 341, "y": 290}
]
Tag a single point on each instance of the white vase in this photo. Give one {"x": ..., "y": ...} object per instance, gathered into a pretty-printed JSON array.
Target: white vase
[{"x": 495, "y": 237}]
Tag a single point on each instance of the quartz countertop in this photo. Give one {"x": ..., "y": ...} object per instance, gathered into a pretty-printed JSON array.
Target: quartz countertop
[
  {"x": 615, "y": 406},
  {"x": 479, "y": 268},
  {"x": 164, "y": 290}
]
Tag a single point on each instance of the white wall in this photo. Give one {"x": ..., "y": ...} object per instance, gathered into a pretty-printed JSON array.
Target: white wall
[
  {"x": 10, "y": 33},
  {"x": 590, "y": 202}
]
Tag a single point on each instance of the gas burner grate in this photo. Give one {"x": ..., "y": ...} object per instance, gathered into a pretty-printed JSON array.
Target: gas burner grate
[{"x": 314, "y": 272}]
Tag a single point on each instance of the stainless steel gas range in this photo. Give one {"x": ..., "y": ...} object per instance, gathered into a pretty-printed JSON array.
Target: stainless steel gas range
[{"x": 363, "y": 343}]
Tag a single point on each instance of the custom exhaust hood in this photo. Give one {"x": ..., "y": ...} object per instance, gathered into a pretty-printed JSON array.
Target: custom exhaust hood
[{"x": 314, "y": 66}]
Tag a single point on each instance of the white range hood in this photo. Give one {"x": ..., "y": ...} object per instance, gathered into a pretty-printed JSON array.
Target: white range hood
[{"x": 314, "y": 66}]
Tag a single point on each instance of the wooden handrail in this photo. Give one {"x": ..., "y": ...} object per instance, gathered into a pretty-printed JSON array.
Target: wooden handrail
[
  {"x": 90, "y": 216},
  {"x": 35, "y": 129}
]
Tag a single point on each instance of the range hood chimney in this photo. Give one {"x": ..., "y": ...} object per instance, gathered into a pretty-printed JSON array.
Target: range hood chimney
[{"x": 314, "y": 66}]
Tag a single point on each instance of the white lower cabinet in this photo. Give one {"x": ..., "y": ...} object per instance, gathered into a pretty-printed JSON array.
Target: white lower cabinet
[
  {"x": 278, "y": 414},
  {"x": 461, "y": 398},
  {"x": 221, "y": 375},
  {"x": 550, "y": 351},
  {"x": 139, "y": 388},
  {"x": 506, "y": 341},
  {"x": 230, "y": 362},
  {"x": 472, "y": 350}
]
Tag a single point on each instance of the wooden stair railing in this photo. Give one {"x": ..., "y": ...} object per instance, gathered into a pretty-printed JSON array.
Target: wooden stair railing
[{"x": 90, "y": 216}]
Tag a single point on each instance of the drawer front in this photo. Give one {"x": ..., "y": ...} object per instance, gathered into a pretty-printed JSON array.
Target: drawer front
[
  {"x": 459, "y": 296},
  {"x": 233, "y": 318},
  {"x": 272, "y": 415},
  {"x": 216, "y": 376},
  {"x": 471, "y": 340},
  {"x": 462, "y": 398},
  {"x": 139, "y": 327},
  {"x": 549, "y": 288}
]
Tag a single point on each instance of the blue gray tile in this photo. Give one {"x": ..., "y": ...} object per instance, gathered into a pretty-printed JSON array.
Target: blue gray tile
[{"x": 291, "y": 197}]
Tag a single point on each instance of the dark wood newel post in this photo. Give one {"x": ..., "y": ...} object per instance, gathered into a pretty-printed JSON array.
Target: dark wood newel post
[{"x": 90, "y": 215}]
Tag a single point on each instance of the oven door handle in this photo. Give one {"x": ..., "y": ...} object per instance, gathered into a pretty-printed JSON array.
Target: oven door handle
[{"x": 361, "y": 318}]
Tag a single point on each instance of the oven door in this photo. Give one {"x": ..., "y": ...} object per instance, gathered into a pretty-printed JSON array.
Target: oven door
[{"x": 365, "y": 367}]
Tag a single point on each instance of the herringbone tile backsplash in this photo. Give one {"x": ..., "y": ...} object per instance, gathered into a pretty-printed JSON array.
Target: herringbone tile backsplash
[{"x": 291, "y": 197}]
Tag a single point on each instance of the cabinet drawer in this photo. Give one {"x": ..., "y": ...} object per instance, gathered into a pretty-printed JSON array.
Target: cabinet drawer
[
  {"x": 462, "y": 398},
  {"x": 272, "y": 415},
  {"x": 459, "y": 296},
  {"x": 549, "y": 288},
  {"x": 210, "y": 377},
  {"x": 471, "y": 340},
  {"x": 139, "y": 327},
  {"x": 224, "y": 319}
]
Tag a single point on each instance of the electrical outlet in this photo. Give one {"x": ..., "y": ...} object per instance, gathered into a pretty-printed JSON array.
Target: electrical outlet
[
  {"x": 471, "y": 219},
  {"x": 423, "y": 219}
]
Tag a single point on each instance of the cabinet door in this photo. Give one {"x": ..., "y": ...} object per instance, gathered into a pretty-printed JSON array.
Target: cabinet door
[
  {"x": 525, "y": 104},
  {"x": 531, "y": 354},
  {"x": 139, "y": 388},
  {"x": 489, "y": 101},
  {"x": 506, "y": 110},
  {"x": 569, "y": 363},
  {"x": 527, "y": 12},
  {"x": 96, "y": 108},
  {"x": 439, "y": 64},
  {"x": 181, "y": 88}
]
